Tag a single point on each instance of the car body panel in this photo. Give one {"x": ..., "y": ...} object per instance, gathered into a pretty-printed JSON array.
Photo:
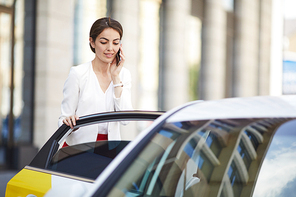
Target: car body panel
[
  {"x": 248, "y": 107},
  {"x": 67, "y": 186},
  {"x": 28, "y": 182},
  {"x": 33, "y": 182}
]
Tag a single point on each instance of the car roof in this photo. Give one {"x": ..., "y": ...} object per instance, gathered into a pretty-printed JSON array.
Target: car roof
[{"x": 240, "y": 107}]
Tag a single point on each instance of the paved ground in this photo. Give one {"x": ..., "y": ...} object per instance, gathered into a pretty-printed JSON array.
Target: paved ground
[{"x": 5, "y": 176}]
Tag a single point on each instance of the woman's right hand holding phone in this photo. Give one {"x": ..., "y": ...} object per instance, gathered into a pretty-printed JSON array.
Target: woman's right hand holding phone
[{"x": 115, "y": 67}]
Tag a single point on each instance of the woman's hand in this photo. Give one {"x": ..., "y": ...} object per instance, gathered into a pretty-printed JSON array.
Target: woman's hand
[
  {"x": 116, "y": 68},
  {"x": 71, "y": 121}
]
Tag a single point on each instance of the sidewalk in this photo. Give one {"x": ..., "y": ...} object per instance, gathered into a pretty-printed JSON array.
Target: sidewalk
[{"x": 5, "y": 176}]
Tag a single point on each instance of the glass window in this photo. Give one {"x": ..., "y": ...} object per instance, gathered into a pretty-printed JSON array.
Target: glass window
[
  {"x": 244, "y": 154},
  {"x": 5, "y": 73},
  {"x": 260, "y": 130},
  {"x": 235, "y": 179},
  {"x": 168, "y": 162},
  {"x": 200, "y": 162},
  {"x": 184, "y": 165},
  {"x": 209, "y": 140},
  {"x": 89, "y": 159},
  {"x": 189, "y": 147},
  {"x": 86, "y": 160},
  {"x": 253, "y": 139},
  {"x": 19, "y": 135},
  {"x": 278, "y": 175},
  {"x": 206, "y": 166},
  {"x": 212, "y": 142},
  {"x": 11, "y": 76}
]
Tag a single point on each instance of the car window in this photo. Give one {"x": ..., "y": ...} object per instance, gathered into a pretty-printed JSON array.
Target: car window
[
  {"x": 200, "y": 158},
  {"x": 86, "y": 160},
  {"x": 278, "y": 173},
  {"x": 89, "y": 159}
]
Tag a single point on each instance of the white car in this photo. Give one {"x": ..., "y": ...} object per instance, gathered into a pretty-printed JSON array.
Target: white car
[{"x": 220, "y": 148}]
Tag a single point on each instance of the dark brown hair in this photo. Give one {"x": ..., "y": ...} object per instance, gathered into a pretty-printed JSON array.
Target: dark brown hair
[{"x": 100, "y": 25}]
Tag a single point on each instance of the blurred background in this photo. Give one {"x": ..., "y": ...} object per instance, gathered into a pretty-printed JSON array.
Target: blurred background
[{"x": 177, "y": 51}]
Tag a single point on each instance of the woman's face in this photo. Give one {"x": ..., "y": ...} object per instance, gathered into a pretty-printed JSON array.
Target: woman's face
[{"x": 106, "y": 45}]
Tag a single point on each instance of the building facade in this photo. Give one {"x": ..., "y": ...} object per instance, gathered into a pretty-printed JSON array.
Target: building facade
[{"x": 177, "y": 51}]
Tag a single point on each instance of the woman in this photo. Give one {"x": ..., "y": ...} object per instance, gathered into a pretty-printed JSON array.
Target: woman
[{"x": 100, "y": 85}]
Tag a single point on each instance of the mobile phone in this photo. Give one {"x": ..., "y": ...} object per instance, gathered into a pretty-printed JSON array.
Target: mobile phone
[{"x": 118, "y": 58}]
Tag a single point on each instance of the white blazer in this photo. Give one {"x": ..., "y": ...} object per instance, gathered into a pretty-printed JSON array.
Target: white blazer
[{"x": 83, "y": 96}]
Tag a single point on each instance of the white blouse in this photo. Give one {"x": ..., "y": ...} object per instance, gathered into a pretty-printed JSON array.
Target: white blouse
[{"x": 83, "y": 96}]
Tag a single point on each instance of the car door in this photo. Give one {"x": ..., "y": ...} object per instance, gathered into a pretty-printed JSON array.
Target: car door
[{"x": 72, "y": 170}]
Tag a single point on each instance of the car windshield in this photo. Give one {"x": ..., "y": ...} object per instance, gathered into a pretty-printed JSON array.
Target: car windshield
[{"x": 209, "y": 158}]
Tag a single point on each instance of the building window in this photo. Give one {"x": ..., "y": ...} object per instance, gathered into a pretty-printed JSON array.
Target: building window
[
  {"x": 17, "y": 23},
  {"x": 235, "y": 179},
  {"x": 244, "y": 154},
  {"x": 253, "y": 139},
  {"x": 205, "y": 166},
  {"x": 212, "y": 142}
]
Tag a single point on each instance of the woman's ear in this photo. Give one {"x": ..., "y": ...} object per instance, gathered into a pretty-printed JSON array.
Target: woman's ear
[{"x": 91, "y": 42}]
